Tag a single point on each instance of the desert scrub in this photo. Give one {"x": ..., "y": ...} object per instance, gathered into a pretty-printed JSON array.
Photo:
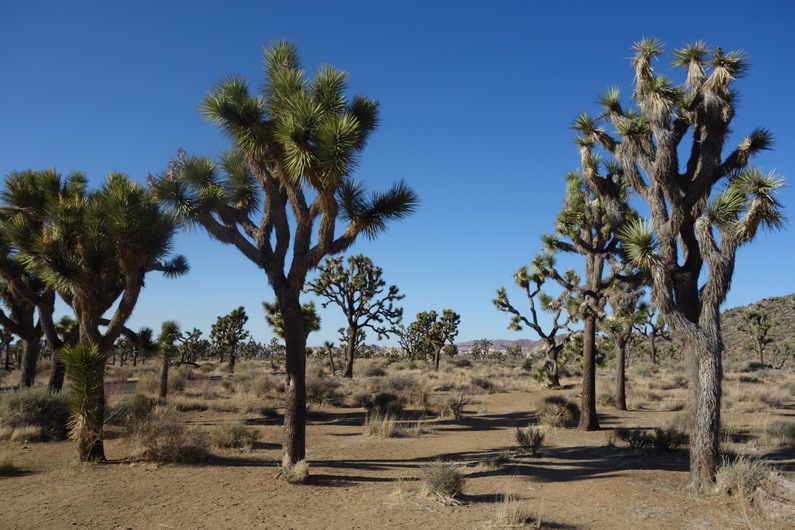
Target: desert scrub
[
  {"x": 406, "y": 386},
  {"x": 322, "y": 390},
  {"x": 557, "y": 411},
  {"x": 38, "y": 408},
  {"x": 381, "y": 425},
  {"x": 449, "y": 406},
  {"x": 442, "y": 480},
  {"x": 741, "y": 476},
  {"x": 511, "y": 513},
  {"x": 160, "y": 436},
  {"x": 781, "y": 433},
  {"x": 149, "y": 382},
  {"x": 295, "y": 474},
  {"x": 9, "y": 469},
  {"x": 257, "y": 384},
  {"x": 234, "y": 435},
  {"x": 529, "y": 439}
]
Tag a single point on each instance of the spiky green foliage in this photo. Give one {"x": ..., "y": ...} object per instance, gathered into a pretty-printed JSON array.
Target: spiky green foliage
[
  {"x": 274, "y": 317},
  {"x": 702, "y": 209},
  {"x": 85, "y": 365},
  {"x": 299, "y": 139}
]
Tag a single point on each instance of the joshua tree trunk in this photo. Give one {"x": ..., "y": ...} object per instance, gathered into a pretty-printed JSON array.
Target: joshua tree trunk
[
  {"x": 295, "y": 406},
  {"x": 350, "y": 352},
  {"x": 653, "y": 347},
  {"x": 621, "y": 353},
  {"x": 551, "y": 364},
  {"x": 163, "y": 377},
  {"x": 57, "y": 374},
  {"x": 90, "y": 445},
  {"x": 588, "y": 417}
]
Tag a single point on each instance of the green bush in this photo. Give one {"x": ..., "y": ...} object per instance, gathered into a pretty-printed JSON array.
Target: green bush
[
  {"x": 386, "y": 403},
  {"x": 781, "y": 433},
  {"x": 37, "y": 407}
]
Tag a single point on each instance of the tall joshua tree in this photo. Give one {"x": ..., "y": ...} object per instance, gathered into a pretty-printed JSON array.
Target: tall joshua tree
[
  {"x": 26, "y": 201},
  {"x": 710, "y": 193},
  {"x": 359, "y": 292},
  {"x": 756, "y": 324},
  {"x": 21, "y": 321},
  {"x": 564, "y": 310},
  {"x": 167, "y": 348},
  {"x": 95, "y": 253},
  {"x": 594, "y": 210},
  {"x": 283, "y": 187}
]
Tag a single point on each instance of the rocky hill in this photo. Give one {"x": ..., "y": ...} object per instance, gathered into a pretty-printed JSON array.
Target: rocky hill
[{"x": 782, "y": 329}]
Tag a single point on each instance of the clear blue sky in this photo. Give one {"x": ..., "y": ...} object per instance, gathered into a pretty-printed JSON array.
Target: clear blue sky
[{"x": 476, "y": 104}]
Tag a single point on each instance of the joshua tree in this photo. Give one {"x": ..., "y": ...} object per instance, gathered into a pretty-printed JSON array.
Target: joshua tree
[
  {"x": 294, "y": 148},
  {"x": 5, "y": 341},
  {"x": 482, "y": 348},
  {"x": 620, "y": 325},
  {"x": 27, "y": 200},
  {"x": 227, "y": 333},
  {"x": 21, "y": 321},
  {"x": 688, "y": 202},
  {"x": 653, "y": 326},
  {"x": 433, "y": 332},
  {"x": 594, "y": 209},
  {"x": 563, "y": 308},
  {"x": 359, "y": 292},
  {"x": 96, "y": 252},
  {"x": 169, "y": 334},
  {"x": 756, "y": 324}
]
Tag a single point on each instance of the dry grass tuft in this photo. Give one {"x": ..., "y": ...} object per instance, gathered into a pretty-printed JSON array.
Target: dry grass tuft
[
  {"x": 741, "y": 477},
  {"x": 295, "y": 474},
  {"x": 511, "y": 513},
  {"x": 529, "y": 439},
  {"x": 381, "y": 425},
  {"x": 443, "y": 480}
]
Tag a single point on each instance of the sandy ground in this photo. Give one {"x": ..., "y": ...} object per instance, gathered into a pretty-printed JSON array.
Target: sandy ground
[{"x": 359, "y": 482}]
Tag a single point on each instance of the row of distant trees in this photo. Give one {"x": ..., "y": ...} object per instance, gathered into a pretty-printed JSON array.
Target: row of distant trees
[{"x": 284, "y": 197}]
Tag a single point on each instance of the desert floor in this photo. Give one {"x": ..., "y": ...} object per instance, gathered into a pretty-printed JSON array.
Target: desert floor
[{"x": 577, "y": 479}]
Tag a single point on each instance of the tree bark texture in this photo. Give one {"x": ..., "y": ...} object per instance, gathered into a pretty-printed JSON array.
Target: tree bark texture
[
  {"x": 588, "y": 417},
  {"x": 295, "y": 405},
  {"x": 621, "y": 363},
  {"x": 31, "y": 355}
]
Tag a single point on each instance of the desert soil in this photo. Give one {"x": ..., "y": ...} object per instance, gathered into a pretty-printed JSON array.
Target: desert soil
[{"x": 576, "y": 481}]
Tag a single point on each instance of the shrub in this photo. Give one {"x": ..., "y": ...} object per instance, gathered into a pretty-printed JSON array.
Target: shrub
[
  {"x": 407, "y": 387},
  {"x": 447, "y": 406},
  {"x": 257, "y": 384},
  {"x": 635, "y": 438},
  {"x": 556, "y": 411},
  {"x": 529, "y": 438},
  {"x": 381, "y": 425},
  {"x": 362, "y": 399},
  {"x": 139, "y": 407},
  {"x": 741, "y": 476},
  {"x": 233, "y": 435},
  {"x": 160, "y": 437},
  {"x": 781, "y": 433},
  {"x": 443, "y": 480},
  {"x": 669, "y": 439},
  {"x": 322, "y": 390},
  {"x": 373, "y": 370},
  {"x": 386, "y": 403},
  {"x": 483, "y": 384},
  {"x": 36, "y": 407},
  {"x": 606, "y": 399},
  {"x": 9, "y": 469}
]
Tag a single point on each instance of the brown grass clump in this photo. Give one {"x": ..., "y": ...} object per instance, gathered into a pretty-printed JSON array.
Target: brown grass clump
[
  {"x": 34, "y": 414},
  {"x": 295, "y": 474},
  {"x": 443, "y": 480},
  {"x": 741, "y": 477},
  {"x": 234, "y": 435},
  {"x": 557, "y": 411},
  {"x": 160, "y": 436},
  {"x": 529, "y": 439},
  {"x": 511, "y": 513},
  {"x": 381, "y": 425}
]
